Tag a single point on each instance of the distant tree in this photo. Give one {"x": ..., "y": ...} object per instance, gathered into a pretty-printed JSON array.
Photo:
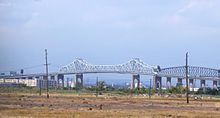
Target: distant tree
[
  {"x": 179, "y": 84},
  {"x": 142, "y": 90},
  {"x": 208, "y": 91},
  {"x": 214, "y": 91},
  {"x": 200, "y": 91},
  {"x": 110, "y": 88},
  {"x": 101, "y": 85},
  {"x": 173, "y": 90}
]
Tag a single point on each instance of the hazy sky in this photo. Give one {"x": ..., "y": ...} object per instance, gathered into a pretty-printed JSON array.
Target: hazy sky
[{"x": 159, "y": 32}]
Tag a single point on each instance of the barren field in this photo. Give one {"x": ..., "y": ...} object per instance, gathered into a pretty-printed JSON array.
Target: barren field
[{"x": 89, "y": 106}]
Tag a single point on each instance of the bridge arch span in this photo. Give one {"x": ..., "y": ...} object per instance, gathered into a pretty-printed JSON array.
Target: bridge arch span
[{"x": 194, "y": 72}]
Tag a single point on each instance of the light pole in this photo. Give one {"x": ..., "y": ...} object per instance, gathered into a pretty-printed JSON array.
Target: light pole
[{"x": 187, "y": 86}]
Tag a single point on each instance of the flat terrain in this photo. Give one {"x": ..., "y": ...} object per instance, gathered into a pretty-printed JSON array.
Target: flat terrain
[{"x": 89, "y": 106}]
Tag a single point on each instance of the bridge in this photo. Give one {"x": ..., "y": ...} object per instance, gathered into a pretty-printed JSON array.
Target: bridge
[{"x": 135, "y": 67}]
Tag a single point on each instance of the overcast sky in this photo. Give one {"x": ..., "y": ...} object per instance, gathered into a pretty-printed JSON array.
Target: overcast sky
[{"x": 159, "y": 32}]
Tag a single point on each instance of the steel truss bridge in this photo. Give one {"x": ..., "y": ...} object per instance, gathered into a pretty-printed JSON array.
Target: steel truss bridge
[
  {"x": 137, "y": 66},
  {"x": 194, "y": 72},
  {"x": 134, "y": 66}
]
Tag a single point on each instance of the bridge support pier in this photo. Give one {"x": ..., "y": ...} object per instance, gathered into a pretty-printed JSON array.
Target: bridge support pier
[
  {"x": 215, "y": 83},
  {"x": 191, "y": 83},
  {"x": 137, "y": 78},
  {"x": 202, "y": 83},
  {"x": 157, "y": 82},
  {"x": 60, "y": 77},
  {"x": 168, "y": 84},
  {"x": 79, "y": 83},
  {"x": 180, "y": 81}
]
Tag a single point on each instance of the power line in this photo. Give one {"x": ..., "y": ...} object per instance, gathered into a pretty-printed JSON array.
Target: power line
[
  {"x": 55, "y": 65},
  {"x": 26, "y": 68},
  {"x": 31, "y": 67}
]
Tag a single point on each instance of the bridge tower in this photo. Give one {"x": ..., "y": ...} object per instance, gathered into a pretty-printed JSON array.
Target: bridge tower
[
  {"x": 202, "y": 83},
  {"x": 180, "y": 81},
  {"x": 191, "y": 83},
  {"x": 215, "y": 83},
  {"x": 157, "y": 82},
  {"x": 79, "y": 77},
  {"x": 137, "y": 78}
]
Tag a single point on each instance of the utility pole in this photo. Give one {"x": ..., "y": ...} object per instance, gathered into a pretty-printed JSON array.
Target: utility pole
[
  {"x": 47, "y": 74},
  {"x": 193, "y": 86},
  {"x": 187, "y": 86},
  {"x": 40, "y": 86},
  {"x": 97, "y": 84},
  {"x": 149, "y": 92}
]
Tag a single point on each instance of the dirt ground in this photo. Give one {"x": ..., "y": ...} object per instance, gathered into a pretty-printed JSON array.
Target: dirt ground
[{"x": 90, "y": 106}]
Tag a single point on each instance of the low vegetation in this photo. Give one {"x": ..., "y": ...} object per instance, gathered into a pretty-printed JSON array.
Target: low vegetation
[{"x": 103, "y": 89}]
